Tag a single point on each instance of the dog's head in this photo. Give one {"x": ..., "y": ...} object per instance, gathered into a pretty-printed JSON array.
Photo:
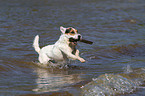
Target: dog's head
[{"x": 71, "y": 34}]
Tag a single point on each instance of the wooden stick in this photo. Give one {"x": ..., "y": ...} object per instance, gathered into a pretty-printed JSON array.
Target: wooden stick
[{"x": 86, "y": 41}]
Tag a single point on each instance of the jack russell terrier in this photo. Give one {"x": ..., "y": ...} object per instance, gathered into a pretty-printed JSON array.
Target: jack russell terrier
[{"x": 63, "y": 49}]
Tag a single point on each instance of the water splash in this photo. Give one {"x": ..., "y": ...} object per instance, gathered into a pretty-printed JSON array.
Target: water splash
[
  {"x": 114, "y": 84},
  {"x": 128, "y": 69},
  {"x": 59, "y": 65}
]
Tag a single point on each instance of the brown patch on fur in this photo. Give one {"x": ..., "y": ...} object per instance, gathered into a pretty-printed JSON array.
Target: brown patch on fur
[
  {"x": 71, "y": 34},
  {"x": 76, "y": 30},
  {"x": 71, "y": 31}
]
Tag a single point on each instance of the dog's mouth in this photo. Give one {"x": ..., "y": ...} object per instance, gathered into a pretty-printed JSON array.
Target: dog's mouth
[{"x": 73, "y": 41}]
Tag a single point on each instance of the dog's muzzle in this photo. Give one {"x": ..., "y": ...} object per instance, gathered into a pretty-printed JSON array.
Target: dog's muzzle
[{"x": 74, "y": 41}]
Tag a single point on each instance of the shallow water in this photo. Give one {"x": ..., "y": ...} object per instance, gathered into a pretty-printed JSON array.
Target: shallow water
[{"x": 116, "y": 27}]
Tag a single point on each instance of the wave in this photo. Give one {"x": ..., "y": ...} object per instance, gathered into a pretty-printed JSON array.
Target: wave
[{"x": 115, "y": 84}]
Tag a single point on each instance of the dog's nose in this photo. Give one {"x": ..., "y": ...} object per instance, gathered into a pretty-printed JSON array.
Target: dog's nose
[{"x": 79, "y": 37}]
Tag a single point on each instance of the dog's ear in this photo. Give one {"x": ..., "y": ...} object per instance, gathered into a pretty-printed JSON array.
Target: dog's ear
[{"x": 62, "y": 29}]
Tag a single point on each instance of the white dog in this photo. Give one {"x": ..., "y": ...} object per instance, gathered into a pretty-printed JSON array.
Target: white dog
[{"x": 63, "y": 49}]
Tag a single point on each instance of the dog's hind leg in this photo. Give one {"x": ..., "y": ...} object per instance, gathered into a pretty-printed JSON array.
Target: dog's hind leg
[{"x": 43, "y": 58}]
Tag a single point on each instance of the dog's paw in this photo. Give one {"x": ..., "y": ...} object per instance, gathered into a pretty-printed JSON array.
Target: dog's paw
[{"x": 82, "y": 60}]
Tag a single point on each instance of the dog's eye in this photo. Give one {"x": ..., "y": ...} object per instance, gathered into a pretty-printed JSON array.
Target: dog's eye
[{"x": 72, "y": 32}]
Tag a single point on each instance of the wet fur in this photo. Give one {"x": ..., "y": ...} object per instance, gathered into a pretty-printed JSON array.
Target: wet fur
[{"x": 62, "y": 50}]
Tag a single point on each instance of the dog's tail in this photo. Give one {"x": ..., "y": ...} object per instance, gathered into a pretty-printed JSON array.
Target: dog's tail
[{"x": 36, "y": 44}]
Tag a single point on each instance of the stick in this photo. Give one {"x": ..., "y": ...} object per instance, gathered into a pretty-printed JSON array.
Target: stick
[{"x": 86, "y": 41}]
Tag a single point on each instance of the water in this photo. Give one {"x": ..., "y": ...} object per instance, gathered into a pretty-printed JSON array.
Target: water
[
  {"x": 116, "y": 57},
  {"x": 110, "y": 84}
]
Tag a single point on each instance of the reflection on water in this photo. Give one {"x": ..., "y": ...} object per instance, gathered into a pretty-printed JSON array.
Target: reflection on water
[{"x": 51, "y": 80}]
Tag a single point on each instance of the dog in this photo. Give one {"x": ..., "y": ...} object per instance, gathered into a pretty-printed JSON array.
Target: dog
[{"x": 63, "y": 49}]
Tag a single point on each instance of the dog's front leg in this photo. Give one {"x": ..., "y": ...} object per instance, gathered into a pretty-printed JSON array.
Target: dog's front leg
[
  {"x": 75, "y": 57},
  {"x": 77, "y": 54}
]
